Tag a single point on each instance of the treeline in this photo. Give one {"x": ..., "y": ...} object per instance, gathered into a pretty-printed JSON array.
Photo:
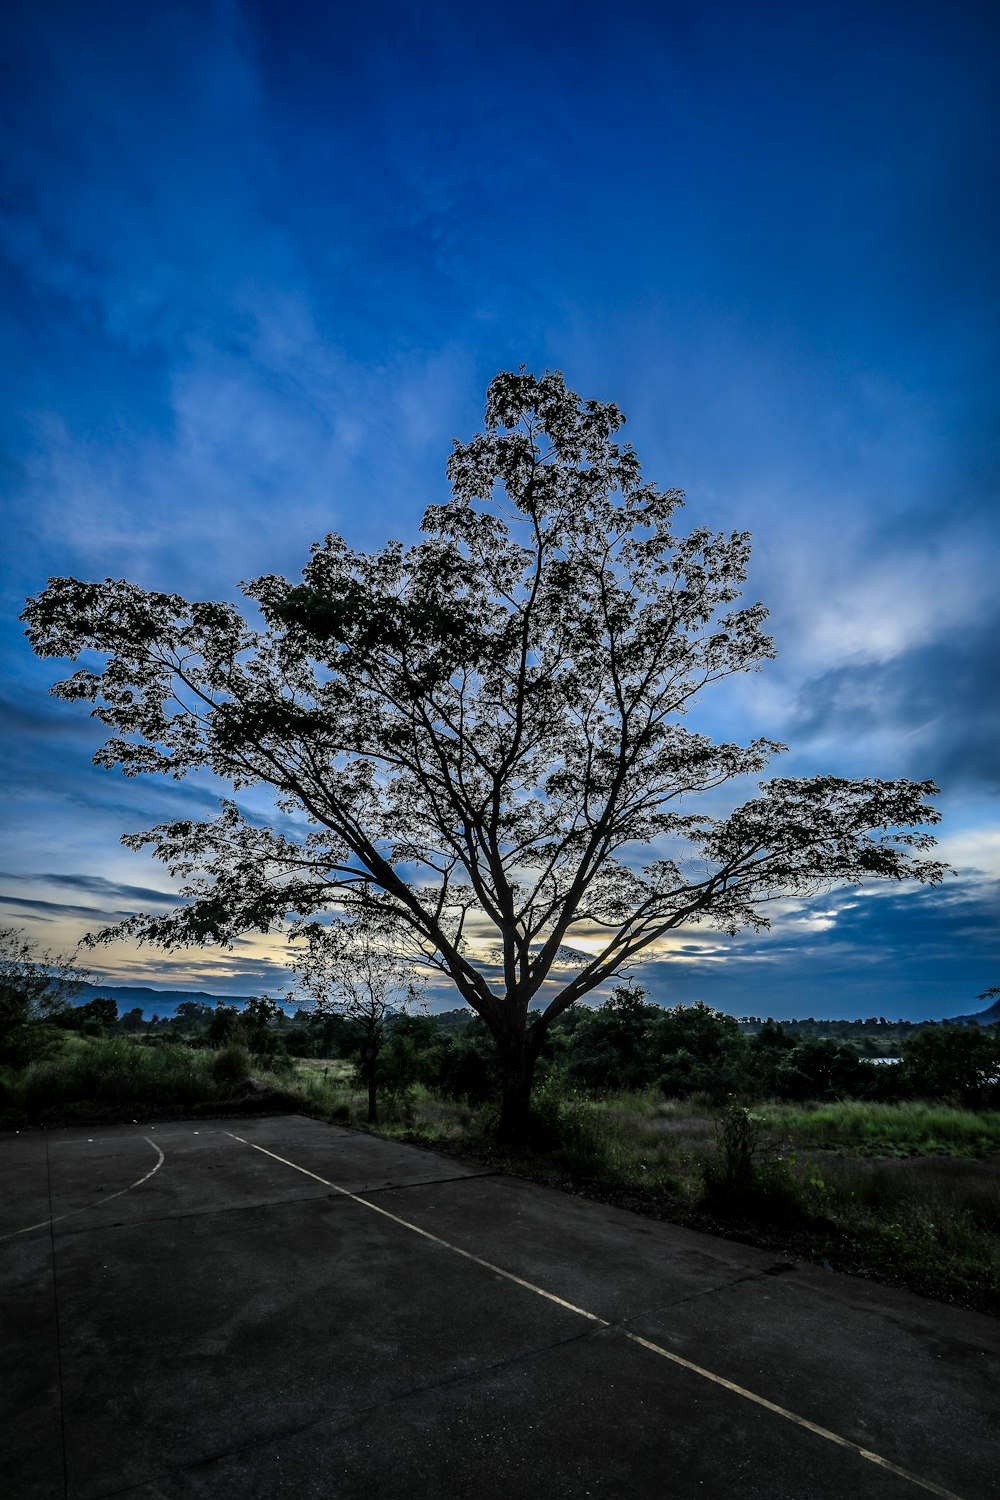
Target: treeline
[
  {"x": 627, "y": 1043},
  {"x": 624, "y": 1044}
]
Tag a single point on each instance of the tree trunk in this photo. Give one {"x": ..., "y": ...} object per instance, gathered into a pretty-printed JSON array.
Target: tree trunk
[
  {"x": 518, "y": 1055},
  {"x": 371, "y": 1075}
]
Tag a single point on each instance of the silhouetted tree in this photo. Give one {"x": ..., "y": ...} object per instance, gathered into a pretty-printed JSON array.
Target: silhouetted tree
[
  {"x": 483, "y": 731},
  {"x": 34, "y": 987},
  {"x": 355, "y": 970},
  {"x": 953, "y": 1062}
]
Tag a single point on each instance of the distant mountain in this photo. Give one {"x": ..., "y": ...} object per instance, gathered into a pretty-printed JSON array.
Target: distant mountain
[
  {"x": 982, "y": 1018},
  {"x": 152, "y": 1002},
  {"x": 165, "y": 1002}
]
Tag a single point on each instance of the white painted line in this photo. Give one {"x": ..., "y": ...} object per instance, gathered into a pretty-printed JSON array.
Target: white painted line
[
  {"x": 685, "y": 1364},
  {"x": 44, "y": 1223}
]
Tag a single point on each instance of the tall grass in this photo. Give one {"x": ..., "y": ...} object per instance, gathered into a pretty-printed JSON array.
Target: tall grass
[
  {"x": 904, "y": 1129},
  {"x": 118, "y": 1074}
]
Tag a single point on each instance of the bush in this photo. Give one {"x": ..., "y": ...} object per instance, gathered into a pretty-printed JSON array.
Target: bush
[
  {"x": 231, "y": 1065},
  {"x": 699, "y": 1051},
  {"x": 953, "y": 1062},
  {"x": 746, "y": 1175},
  {"x": 115, "y": 1072},
  {"x": 467, "y": 1066},
  {"x": 562, "y": 1124},
  {"x": 822, "y": 1068},
  {"x": 609, "y": 1047}
]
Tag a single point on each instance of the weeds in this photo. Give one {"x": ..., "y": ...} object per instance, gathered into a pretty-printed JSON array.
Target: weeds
[
  {"x": 121, "y": 1077},
  {"x": 747, "y": 1174},
  {"x": 906, "y": 1129}
]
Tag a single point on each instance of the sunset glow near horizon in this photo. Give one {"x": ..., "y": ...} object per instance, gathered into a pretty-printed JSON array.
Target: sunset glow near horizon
[{"x": 260, "y": 265}]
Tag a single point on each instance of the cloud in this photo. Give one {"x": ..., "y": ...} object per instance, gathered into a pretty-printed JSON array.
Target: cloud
[
  {"x": 61, "y": 909},
  {"x": 932, "y": 705},
  {"x": 99, "y": 885}
]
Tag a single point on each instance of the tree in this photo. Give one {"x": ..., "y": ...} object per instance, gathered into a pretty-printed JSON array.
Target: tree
[
  {"x": 95, "y": 1016},
  {"x": 700, "y": 1050},
  {"x": 192, "y": 1015},
  {"x": 484, "y": 733},
  {"x": 34, "y": 987},
  {"x": 610, "y": 1048},
  {"x": 259, "y": 1019},
  {"x": 953, "y": 1062},
  {"x": 356, "y": 970},
  {"x": 822, "y": 1068},
  {"x": 224, "y": 1025}
]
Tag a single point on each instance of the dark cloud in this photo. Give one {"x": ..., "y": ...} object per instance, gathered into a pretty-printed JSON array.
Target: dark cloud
[
  {"x": 940, "y": 699},
  {"x": 63, "y": 909},
  {"x": 920, "y": 954},
  {"x": 97, "y": 885}
]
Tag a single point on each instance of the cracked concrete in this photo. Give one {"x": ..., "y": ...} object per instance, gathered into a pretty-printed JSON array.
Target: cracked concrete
[{"x": 234, "y": 1328}]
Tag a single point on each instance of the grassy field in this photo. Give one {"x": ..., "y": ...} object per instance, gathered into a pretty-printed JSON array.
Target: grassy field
[{"x": 906, "y": 1193}]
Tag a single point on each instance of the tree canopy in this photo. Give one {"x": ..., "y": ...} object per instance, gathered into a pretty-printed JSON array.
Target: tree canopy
[{"x": 482, "y": 738}]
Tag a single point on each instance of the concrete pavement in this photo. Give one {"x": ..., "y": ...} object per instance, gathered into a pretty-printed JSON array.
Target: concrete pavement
[{"x": 207, "y": 1309}]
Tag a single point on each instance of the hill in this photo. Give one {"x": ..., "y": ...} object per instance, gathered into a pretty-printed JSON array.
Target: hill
[
  {"x": 989, "y": 1017},
  {"x": 152, "y": 1002},
  {"x": 164, "y": 1003}
]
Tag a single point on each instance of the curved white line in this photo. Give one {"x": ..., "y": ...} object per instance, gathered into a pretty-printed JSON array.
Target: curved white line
[{"x": 44, "y": 1223}]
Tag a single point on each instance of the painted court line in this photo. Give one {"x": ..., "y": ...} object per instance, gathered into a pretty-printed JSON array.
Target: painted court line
[
  {"x": 676, "y": 1359},
  {"x": 44, "y": 1223}
]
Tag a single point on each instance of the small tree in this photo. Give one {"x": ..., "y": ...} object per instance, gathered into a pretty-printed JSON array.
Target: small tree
[
  {"x": 485, "y": 733},
  {"x": 34, "y": 987},
  {"x": 610, "y": 1048},
  {"x": 700, "y": 1050},
  {"x": 354, "y": 969}
]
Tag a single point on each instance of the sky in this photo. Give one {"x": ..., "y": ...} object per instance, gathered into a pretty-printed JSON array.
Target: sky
[{"x": 259, "y": 262}]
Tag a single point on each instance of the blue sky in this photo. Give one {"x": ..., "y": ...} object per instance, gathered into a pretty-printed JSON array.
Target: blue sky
[{"x": 260, "y": 262}]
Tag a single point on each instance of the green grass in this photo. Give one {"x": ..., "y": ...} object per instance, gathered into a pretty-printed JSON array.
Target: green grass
[
  {"x": 907, "y": 1129},
  {"x": 114, "y": 1075}
]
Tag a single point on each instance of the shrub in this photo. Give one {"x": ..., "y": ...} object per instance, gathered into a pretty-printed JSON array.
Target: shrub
[
  {"x": 231, "y": 1065},
  {"x": 822, "y": 1068},
  {"x": 561, "y": 1123},
  {"x": 953, "y": 1062},
  {"x": 746, "y": 1174}
]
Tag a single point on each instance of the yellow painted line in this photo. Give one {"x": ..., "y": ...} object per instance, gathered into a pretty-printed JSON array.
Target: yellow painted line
[
  {"x": 676, "y": 1359},
  {"x": 44, "y": 1223}
]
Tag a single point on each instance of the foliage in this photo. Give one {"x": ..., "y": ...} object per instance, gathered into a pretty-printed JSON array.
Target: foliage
[
  {"x": 320, "y": 1034},
  {"x": 908, "y": 1128},
  {"x": 610, "y": 1047},
  {"x": 746, "y": 1174},
  {"x": 483, "y": 730},
  {"x": 95, "y": 1016},
  {"x": 952, "y": 1062},
  {"x": 821, "y": 1068},
  {"x": 110, "y": 1072},
  {"x": 700, "y": 1050},
  {"x": 355, "y": 969},
  {"x": 34, "y": 988},
  {"x": 231, "y": 1064},
  {"x": 468, "y": 1065}
]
